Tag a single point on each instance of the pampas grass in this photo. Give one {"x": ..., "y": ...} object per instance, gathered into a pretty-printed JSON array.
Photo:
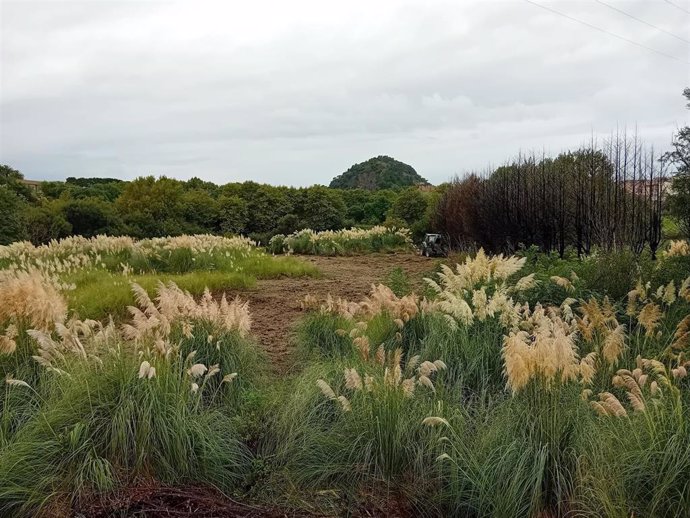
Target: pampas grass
[
  {"x": 342, "y": 242},
  {"x": 30, "y": 299},
  {"x": 474, "y": 401},
  {"x": 102, "y": 427}
]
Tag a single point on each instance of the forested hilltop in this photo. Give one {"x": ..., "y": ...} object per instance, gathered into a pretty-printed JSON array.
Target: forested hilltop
[{"x": 381, "y": 172}]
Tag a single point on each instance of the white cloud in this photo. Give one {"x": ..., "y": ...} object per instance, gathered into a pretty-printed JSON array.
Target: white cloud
[{"x": 295, "y": 92}]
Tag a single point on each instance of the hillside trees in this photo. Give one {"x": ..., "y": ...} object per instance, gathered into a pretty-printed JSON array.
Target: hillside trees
[{"x": 381, "y": 172}]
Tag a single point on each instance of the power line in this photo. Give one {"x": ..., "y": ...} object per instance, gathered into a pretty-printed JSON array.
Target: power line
[
  {"x": 641, "y": 21},
  {"x": 677, "y": 6},
  {"x": 554, "y": 11}
]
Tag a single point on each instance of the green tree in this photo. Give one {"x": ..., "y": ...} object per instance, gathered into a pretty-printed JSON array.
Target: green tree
[
  {"x": 321, "y": 208},
  {"x": 12, "y": 223},
  {"x": 410, "y": 206},
  {"x": 55, "y": 190},
  {"x": 92, "y": 216},
  {"x": 200, "y": 211},
  {"x": 355, "y": 201},
  {"x": 232, "y": 214},
  {"x": 679, "y": 198},
  {"x": 288, "y": 224},
  {"x": 13, "y": 181},
  {"x": 377, "y": 207},
  {"x": 201, "y": 185},
  {"x": 266, "y": 204},
  {"x": 152, "y": 207}
]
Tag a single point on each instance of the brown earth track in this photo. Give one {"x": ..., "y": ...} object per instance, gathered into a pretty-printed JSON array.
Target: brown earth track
[
  {"x": 275, "y": 304},
  {"x": 159, "y": 501},
  {"x": 156, "y": 501}
]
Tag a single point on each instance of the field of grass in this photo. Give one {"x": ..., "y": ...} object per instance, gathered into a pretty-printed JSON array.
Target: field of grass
[
  {"x": 96, "y": 274},
  {"x": 515, "y": 386}
]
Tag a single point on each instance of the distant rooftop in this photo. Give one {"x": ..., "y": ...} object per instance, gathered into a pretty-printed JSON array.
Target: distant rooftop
[{"x": 34, "y": 184}]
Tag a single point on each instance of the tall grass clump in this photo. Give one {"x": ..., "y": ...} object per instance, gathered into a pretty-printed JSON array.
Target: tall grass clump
[
  {"x": 520, "y": 459},
  {"x": 103, "y": 427},
  {"x": 342, "y": 242},
  {"x": 472, "y": 306},
  {"x": 535, "y": 402},
  {"x": 356, "y": 425},
  {"x": 638, "y": 462},
  {"x": 156, "y": 400},
  {"x": 29, "y": 300},
  {"x": 334, "y": 325}
]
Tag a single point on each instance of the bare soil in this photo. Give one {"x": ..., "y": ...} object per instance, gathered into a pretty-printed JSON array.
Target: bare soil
[
  {"x": 275, "y": 304},
  {"x": 157, "y": 501},
  {"x": 151, "y": 500}
]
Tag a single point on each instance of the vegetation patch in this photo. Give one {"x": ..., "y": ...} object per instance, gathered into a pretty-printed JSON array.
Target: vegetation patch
[
  {"x": 96, "y": 273},
  {"x": 474, "y": 399},
  {"x": 343, "y": 242}
]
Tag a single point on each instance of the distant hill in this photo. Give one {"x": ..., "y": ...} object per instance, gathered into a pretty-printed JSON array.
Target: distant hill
[{"x": 381, "y": 172}]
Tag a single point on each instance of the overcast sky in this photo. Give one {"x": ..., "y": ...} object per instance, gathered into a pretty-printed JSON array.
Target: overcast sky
[{"x": 294, "y": 92}]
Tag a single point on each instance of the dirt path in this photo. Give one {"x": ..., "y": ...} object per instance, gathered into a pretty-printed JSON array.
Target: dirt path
[{"x": 275, "y": 305}]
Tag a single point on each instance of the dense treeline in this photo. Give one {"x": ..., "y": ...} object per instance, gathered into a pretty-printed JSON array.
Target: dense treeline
[
  {"x": 607, "y": 198},
  {"x": 151, "y": 207}
]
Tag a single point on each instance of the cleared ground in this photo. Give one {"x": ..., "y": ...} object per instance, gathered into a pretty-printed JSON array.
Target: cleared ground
[{"x": 275, "y": 304}]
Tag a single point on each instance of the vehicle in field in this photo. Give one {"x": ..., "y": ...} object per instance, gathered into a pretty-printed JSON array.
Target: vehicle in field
[{"x": 435, "y": 245}]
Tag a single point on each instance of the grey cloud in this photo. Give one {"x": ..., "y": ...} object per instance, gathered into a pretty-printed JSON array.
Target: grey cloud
[{"x": 294, "y": 93}]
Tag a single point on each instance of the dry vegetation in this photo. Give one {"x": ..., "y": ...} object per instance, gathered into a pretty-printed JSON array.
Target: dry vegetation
[{"x": 507, "y": 386}]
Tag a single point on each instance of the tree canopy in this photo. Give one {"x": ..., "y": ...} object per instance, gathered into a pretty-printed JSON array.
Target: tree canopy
[
  {"x": 153, "y": 207},
  {"x": 381, "y": 172},
  {"x": 679, "y": 198}
]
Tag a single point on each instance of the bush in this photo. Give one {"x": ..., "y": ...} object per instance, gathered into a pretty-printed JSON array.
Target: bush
[
  {"x": 361, "y": 432},
  {"x": 101, "y": 428},
  {"x": 639, "y": 465},
  {"x": 613, "y": 274},
  {"x": 342, "y": 242}
]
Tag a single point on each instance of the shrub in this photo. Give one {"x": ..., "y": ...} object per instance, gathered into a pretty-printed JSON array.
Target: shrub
[
  {"x": 102, "y": 427},
  {"x": 342, "y": 242},
  {"x": 156, "y": 400},
  {"x": 361, "y": 428}
]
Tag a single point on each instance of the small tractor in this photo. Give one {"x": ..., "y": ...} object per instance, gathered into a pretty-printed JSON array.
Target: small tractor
[{"x": 435, "y": 245}]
